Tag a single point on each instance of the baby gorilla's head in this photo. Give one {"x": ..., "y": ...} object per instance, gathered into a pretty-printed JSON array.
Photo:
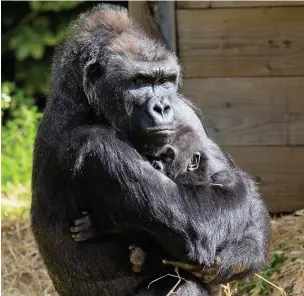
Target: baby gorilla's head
[
  {"x": 181, "y": 155},
  {"x": 172, "y": 163}
]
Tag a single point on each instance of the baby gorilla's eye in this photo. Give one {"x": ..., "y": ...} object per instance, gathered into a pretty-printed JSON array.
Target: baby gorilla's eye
[
  {"x": 194, "y": 162},
  {"x": 169, "y": 155}
]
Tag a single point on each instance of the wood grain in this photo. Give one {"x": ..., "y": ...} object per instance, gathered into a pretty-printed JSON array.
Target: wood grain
[
  {"x": 251, "y": 111},
  {"x": 234, "y": 4},
  {"x": 241, "y": 42},
  {"x": 279, "y": 172},
  {"x": 296, "y": 118}
]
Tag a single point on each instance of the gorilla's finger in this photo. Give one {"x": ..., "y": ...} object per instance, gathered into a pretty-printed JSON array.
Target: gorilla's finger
[
  {"x": 81, "y": 228},
  {"x": 82, "y": 236},
  {"x": 77, "y": 237},
  {"x": 83, "y": 220}
]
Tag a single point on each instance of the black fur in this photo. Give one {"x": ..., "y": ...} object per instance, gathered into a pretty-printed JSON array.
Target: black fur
[{"x": 107, "y": 89}]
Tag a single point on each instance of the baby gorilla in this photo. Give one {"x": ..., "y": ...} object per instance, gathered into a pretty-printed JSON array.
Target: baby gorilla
[
  {"x": 186, "y": 154},
  {"x": 184, "y": 161}
]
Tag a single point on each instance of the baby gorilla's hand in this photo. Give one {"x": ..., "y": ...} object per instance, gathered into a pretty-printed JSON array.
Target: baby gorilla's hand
[
  {"x": 223, "y": 178},
  {"x": 137, "y": 258},
  {"x": 82, "y": 228}
]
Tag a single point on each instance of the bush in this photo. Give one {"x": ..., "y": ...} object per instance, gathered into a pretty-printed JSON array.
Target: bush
[{"x": 18, "y": 135}]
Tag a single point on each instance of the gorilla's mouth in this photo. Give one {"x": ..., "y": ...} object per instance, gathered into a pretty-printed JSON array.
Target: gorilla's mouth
[{"x": 160, "y": 130}]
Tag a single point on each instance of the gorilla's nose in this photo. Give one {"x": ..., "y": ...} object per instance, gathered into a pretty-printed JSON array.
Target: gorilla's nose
[{"x": 160, "y": 111}]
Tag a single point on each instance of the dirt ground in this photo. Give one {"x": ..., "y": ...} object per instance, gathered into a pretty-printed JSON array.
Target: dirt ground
[{"x": 23, "y": 272}]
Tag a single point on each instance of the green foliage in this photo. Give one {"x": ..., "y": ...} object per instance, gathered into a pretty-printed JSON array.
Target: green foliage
[
  {"x": 18, "y": 135},
  {"x": 31, "y": 41},
  {"x": 32, "y": 36},
  {"x": 53, "y": 5}
]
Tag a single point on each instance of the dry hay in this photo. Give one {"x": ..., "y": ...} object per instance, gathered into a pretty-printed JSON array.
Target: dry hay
[
  {"x": 23, "y": 272},
  {"x": 288, "y": 233}
]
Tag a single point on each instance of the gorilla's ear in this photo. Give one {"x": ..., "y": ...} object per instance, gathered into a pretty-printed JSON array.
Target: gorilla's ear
[
  {"x": 92, "y": 71},
  {"x": 194, "y": 162}
]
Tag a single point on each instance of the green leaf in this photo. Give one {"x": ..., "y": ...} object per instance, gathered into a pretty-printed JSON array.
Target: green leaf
[
  {"x": 37, "y": 52},
  {"x": 22, "y": 53},
  {"x": 50, "y": 39}
]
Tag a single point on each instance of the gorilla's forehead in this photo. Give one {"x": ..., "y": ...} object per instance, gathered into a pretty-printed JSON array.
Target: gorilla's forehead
[{"x": 138, "y": 46}]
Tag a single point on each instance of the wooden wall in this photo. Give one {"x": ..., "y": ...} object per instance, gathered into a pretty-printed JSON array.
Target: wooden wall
[{"x": 243, "y": 64}]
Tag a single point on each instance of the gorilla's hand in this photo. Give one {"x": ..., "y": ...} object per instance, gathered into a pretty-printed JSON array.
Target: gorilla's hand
[
  {"x": 82, "y": 229},
  {"x": 239, "y": 260}
]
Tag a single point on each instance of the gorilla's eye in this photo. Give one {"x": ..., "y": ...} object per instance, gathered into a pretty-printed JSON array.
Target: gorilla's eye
[
  {"x": 170, "y": 78},
  {"x": 141, "y": 80},
  {"x": 163, "y": 80}
]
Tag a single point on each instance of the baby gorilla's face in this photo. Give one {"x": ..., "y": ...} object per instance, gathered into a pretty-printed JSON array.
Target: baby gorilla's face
[{"x": 172, "y": 162}]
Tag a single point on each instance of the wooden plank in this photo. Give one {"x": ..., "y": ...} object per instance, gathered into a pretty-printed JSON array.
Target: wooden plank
[
  {"x": 167, "y": 22},
  {"x": 279, "y": 172},
  {"x": 193, "y": 4},
  {"x": 251, "y": 111},
  {"x": 296, "y": 118},
  {"x": 241, "y": 42},
  {"x": 234, "y": 4}
]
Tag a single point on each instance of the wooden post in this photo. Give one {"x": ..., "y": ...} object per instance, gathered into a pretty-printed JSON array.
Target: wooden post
[{"x": 157, "y": 18}]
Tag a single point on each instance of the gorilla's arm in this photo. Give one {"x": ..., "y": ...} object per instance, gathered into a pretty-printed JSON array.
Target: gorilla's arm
[
  {"x": 242, "y": 229},
  {"x": 247, "y": 254},
  {"x": 141, "y": 197},
  {"x": 190, "y": 224},
  {"x": 244, "y": 242}
]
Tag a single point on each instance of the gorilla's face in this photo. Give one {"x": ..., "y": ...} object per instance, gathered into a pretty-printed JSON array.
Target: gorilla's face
[
  {"x": 145, "y": 93},
  {"x": 133, "y": 82}
]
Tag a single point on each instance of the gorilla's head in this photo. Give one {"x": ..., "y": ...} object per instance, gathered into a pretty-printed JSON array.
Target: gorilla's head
[{"x": 114, "y": 70}]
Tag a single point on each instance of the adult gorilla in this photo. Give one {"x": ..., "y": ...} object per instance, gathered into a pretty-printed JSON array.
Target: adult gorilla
[{"x": 111, "y": 83}]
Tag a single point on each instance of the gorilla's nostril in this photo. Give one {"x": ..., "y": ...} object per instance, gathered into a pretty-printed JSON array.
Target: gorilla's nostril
[
  {"x": 167, "y": 108},
  {"x": 157, "y": 108}
]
